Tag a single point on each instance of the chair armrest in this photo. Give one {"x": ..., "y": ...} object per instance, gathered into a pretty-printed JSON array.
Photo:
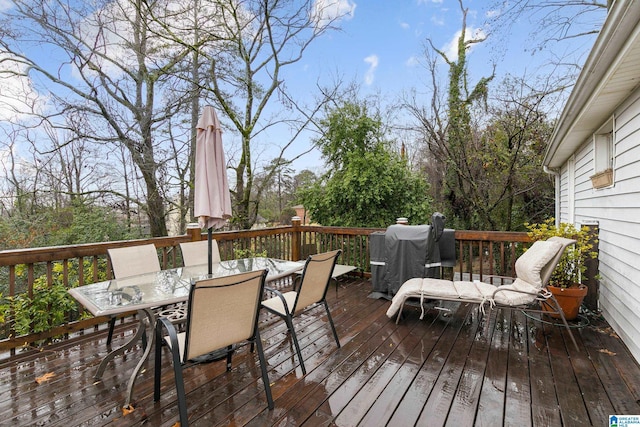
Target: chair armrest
[
  {"x": 278, "y": 294},
  {"x": 172, "y": 333},
  {"x": 513, "y": 290},
  {"x": 165, "y": 323},
  {"x": 161, "y": 324}
]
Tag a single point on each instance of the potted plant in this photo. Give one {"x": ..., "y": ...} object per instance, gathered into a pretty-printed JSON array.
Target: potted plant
[{"x": 566, "y": 280}]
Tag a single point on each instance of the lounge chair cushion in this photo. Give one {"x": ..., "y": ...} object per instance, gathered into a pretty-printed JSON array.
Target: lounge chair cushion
[
  {"x": 441, "y": 289},
  {"x": 474, "y": 290},
  {"x": 530, "y": 264},
  {"x": 522, "y": 291}
]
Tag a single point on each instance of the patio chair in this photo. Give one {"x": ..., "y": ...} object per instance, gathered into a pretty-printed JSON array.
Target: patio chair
[
  {"x": 131, "y": 261},
  {"x": 195, "y": 253},
  {"x": 222, "y": 311},
  {"x": 312, "y": 291},
  {"x": 526, "y": 292}
]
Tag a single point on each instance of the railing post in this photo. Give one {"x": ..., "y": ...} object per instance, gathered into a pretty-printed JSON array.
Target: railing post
[
  {"x": 194, "y": 231},
  {"x": 296, "y": 238},
  {"x": 593, "y": 265}
]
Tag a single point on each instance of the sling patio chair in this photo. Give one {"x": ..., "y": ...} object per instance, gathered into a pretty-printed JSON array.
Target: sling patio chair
[
  {"x": 222, "y": 311},
  {"x": 526, "y": 292},
  {"x": 195, "y": 253},
  {"x": 131, "y": 261},
  {"x": 311, "y": 291}
]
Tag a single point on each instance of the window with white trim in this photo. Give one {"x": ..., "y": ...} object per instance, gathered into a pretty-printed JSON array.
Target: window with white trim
[{"x": 603, "y": 155}]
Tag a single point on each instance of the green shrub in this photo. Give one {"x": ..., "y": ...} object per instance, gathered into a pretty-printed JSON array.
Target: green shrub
[
  {"x": 49, "y": 305},
  {"x": 572, "y": 265}
]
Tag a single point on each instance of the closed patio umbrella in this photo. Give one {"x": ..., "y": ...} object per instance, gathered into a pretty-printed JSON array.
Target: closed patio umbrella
[{"x": 212, "y": 200}]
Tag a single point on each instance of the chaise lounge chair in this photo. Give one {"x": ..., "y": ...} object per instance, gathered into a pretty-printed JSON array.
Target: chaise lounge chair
[{"x": 533, "y": 270}]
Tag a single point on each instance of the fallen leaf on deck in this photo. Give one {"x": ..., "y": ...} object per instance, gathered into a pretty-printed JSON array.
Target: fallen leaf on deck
[
  {"x": 609, "y": 331},
  {"x": 605, "y": 351},
  {"x": 45, "y": 377},
  {"x": 176, "y": 424},
  {"x": 126, "y": 410}
]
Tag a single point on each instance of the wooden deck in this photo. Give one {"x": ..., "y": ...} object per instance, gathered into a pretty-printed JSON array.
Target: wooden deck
[{"x": 463, "y": 369}]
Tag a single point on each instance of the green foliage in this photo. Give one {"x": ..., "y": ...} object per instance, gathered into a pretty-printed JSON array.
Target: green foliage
[
  {"x": 348, "y": 129},
  {"x": 49, "y": 306},
  {"x": 371, "y": 191},
  {"x": 239, "y": 253},
  {"x": 572, "y": 265},
  {"x": 510, "y": 184},
  {"x": 368, "y": 185},
  {"x": 88, "y": 224},
  {"x": 75, "y": 224}
]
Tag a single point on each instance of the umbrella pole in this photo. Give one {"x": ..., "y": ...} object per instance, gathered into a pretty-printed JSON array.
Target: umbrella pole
[
  {"x": 209, "y": 239},
  {"x": 220, "y": 353}
]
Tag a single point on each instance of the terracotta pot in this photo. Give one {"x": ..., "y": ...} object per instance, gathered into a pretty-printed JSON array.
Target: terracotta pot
[{"x": 569, "y": 299}]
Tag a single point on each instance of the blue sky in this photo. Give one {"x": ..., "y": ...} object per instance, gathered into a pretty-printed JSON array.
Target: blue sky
[{"x": 381, "y": 44}]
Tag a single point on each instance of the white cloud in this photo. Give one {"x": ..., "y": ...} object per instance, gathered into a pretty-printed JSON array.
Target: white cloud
[
  {"x": 369, "y": 76},
  {"x": 451, "y": 48},
  {"x": 18, "y": 97},
  {"x": 404, "y": 25},
  {"x": 5, "y": 5},
  {"x": 412, "y": 61},
  {"x": 327, "y": 11},
  {"x": 439, "y": 21},
  {"x": 110, "y": 31}
]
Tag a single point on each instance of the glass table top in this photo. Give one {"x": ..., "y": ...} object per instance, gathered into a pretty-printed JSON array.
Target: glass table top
[{"x": 168, "y": 286}]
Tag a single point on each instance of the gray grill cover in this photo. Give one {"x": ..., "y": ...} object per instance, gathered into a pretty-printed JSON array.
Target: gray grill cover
[{"x": 407, "y": 251}]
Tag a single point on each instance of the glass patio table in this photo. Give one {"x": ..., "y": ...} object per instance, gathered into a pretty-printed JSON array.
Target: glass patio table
[{"x": 143, "y": 292}]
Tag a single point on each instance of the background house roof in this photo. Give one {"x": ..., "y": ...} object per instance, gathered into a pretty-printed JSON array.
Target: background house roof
[{"x": 610, "y": 74}]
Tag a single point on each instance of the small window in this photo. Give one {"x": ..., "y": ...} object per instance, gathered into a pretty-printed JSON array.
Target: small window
[{"x": 603, "y": 156}]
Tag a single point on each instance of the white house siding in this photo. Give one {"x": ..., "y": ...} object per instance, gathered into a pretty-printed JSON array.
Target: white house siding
[{"x": 617, "y": 210}]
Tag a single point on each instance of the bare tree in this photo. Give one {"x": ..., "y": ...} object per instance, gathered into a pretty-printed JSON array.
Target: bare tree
[
  {"x": 246, "y": 46},
  {"x": 104, "y": 64},
  {"x": 555, "y": 20},
  {"x": 451, "y": 140},
  {"x": 485, "y": 150},
  {"x": 561, "y": 30}
]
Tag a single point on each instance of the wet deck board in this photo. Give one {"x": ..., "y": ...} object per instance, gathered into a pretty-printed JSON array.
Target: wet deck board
[{"x": 459, "y": 369}]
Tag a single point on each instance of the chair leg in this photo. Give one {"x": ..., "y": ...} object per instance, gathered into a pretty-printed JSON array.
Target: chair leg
[
  {"x": 400, "y": 311},
  {"x": 333, "y": 328},
  {"x": 289, "y": 322},
  {"x": 112, "y": 325},
  {"x": 559, "y": 311},
  {"x": 182, "y": 397},
  {"x": 263, "y": 368},
  {"x": 229, "y": 355},
  {"x": 177, "y": 368},
  {"x": 157, "y": 365}
]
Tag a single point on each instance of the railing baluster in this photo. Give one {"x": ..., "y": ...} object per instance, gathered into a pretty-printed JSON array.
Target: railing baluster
[{"x": 496, "y": 251}]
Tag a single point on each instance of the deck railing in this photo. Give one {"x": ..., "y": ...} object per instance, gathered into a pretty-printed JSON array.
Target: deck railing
[{"x": 23, "y": 272}]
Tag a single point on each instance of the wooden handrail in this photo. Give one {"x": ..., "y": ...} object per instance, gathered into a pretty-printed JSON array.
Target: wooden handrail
[{"x": 479, "y": 253}]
